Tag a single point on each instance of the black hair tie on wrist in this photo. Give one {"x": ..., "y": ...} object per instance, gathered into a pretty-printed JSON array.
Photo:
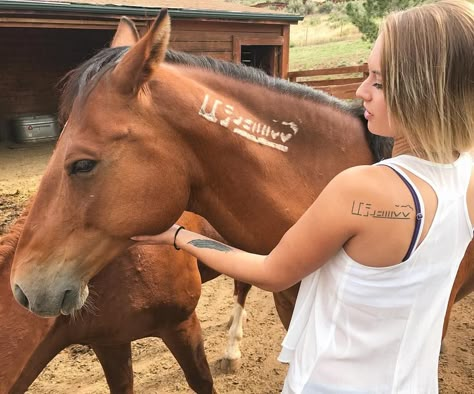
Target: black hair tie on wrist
[{"x": 175, "y": 235}]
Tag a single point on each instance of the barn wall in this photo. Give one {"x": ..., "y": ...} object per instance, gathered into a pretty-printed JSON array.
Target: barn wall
[
  {"x": 216, "y": 38},
  {"x": 33, "y": 62},
  {"x": 35, "y": 59}
]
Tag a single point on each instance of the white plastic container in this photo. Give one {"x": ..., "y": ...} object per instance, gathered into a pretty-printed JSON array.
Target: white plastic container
[{"x": 35, "y": 128}]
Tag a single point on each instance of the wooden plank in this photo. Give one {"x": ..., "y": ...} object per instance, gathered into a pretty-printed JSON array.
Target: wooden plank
[
  {"x": 341, "y": 91},
  {"x": 236, "y": 50},
  {"x": 210, "y": 46},
  {"x": 55, "y": 26},
  {"x": 57, "y": 23},
  {"x": 225, "y": 26},
  {"x": 33, "y": 35},
  {"x": 329, "y": 82},
  {"x": 227, "y": 56},
  {"x": 328, "y": 71},
  {"x": 285, "y": 52},
  {"x": 213, "y": 35},
  {"x": 244, "y": 40}
]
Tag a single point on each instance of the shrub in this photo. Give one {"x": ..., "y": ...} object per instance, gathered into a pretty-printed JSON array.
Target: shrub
[
  {"x": 326, "y": 7},
  {"x": 300, "y": 7}
]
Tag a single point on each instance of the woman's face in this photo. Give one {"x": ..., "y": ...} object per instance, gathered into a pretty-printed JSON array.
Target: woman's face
[{"x": 371, "y": 92}]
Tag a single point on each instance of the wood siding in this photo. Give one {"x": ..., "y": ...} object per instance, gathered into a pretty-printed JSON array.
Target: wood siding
[
  {"x": 35, "y": 59},
  {"x": 217, "y": 38}
]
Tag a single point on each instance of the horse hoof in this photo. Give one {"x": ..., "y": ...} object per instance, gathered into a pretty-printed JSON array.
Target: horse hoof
[{"x": 227, "y": 365}]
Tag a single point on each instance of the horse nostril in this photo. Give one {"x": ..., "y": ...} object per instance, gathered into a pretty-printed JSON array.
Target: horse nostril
[
  {"x": 21, "y": 297},
  {"x": 68, "y": 301}
]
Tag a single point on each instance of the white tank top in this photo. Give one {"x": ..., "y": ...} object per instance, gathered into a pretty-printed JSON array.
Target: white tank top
[{"x": 359, "y": 329}]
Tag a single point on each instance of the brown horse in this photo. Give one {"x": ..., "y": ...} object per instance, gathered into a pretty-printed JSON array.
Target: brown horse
[
  {"x": 147, "y": 139},
  {"x": 151, "y": 298},
  {"x": 160, "y": 290}
]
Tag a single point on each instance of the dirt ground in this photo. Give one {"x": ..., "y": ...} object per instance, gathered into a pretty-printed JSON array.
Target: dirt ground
[{"x": 77, "y": 370}]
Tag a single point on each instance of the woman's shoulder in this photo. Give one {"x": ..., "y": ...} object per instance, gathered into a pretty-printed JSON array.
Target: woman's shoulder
[{"x": 373, "y": 180}]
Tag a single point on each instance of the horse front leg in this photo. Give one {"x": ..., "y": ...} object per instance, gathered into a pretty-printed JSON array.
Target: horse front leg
[
  {"x": 231, "y": 360},
  {"x": 186, "y": 344},
  {"x": 116, "y": 361}
]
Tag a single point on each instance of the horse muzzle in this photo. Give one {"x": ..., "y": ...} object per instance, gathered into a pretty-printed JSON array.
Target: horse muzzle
[{"x": 50, "y": 300}]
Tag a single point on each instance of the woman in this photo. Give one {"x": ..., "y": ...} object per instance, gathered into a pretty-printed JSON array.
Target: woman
[{"x": 378, "y": 251}]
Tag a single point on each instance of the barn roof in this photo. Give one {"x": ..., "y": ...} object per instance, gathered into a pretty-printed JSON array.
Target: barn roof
[{"x": 208, "y": 9}]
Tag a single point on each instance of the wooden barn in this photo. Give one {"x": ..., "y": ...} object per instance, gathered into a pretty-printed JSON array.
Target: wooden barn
[{"x": 41, "y": 40}]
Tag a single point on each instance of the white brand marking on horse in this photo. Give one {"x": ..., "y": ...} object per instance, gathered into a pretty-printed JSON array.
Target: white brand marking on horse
[
  {"x": 246, "y": 127},
  {"x": 225, "y": 122},
  {"x": 237, "y": 122},
  {"x": 210, "y": 116},
  {"x": 292, "y": 125},
  {"x": 247, "y": 124},
  {"x": 228, "y": 109}
]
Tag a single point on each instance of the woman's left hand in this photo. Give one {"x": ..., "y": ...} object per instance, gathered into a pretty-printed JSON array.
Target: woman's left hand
[{"x": 165, "y": 238}]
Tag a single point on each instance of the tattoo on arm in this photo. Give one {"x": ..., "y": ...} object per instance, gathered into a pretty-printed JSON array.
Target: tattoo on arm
[
  {"x": 210, "y": 244},
  {"x": 399, "y": 212}
]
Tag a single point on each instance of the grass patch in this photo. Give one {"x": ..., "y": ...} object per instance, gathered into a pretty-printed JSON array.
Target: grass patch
[
  {"x": 350, "y": 52},
  {"x": 326, "y": 40}
]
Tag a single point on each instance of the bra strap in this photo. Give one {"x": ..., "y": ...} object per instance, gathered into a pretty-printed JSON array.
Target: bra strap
[{"x": 419, "y": 215}]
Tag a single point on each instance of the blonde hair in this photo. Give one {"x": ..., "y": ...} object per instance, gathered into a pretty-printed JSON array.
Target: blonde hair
[{"x": 427, "y": 70}]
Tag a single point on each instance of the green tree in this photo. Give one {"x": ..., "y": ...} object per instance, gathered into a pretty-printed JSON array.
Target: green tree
[{"x": 366, "y": 15}]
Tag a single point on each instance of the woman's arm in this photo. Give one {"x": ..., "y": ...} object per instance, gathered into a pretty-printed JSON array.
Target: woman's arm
[{"x": 315, "y": 237}]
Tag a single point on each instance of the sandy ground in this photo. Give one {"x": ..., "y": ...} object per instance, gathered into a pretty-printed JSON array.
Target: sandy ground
[{"x": 76, "y": 368}]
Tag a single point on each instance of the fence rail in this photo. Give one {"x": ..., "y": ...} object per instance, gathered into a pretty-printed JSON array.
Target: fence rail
[{"x": 342, "y": 82}]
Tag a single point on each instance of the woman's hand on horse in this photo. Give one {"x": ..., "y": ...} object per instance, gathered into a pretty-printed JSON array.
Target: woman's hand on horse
[{"x": 165, "y": 238}]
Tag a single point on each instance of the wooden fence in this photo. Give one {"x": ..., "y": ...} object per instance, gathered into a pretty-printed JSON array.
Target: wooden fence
[{"x": 340, "y": 82}]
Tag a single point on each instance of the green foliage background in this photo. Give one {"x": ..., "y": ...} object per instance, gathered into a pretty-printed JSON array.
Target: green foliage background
[{"x": 366, "y": 15}]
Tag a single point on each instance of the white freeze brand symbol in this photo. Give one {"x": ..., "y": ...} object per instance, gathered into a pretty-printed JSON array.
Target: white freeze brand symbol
[{"x": 261, "y": 133}]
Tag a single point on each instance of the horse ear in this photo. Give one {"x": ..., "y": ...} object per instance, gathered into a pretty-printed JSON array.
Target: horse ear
[
  {"x": 126, "y": 34},
  {"x": 139, "y": 62}
]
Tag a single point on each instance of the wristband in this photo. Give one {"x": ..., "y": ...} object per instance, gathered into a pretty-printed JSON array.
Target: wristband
[{"x": 175, "y": 235}]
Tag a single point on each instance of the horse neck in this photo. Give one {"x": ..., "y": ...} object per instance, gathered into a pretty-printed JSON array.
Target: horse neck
[
  {"x": 262, "y": 186},
  {"x": 24, "y": 350}
]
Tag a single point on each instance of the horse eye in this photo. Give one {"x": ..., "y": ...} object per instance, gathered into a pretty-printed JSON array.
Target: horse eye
[{"x": 82, "y": 166}]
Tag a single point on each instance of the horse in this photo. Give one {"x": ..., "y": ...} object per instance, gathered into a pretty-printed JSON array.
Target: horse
[
  {"x": 147, "y": 139},
  {"x": 34, "y": 342},
  {"x": 153, "y": 302}
]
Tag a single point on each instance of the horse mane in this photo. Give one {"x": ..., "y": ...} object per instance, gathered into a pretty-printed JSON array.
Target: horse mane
[{"x": 78, "y": 83}]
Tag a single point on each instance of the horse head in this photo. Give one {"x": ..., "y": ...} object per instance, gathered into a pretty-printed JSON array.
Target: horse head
[{"x": 72, "y": 229}]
